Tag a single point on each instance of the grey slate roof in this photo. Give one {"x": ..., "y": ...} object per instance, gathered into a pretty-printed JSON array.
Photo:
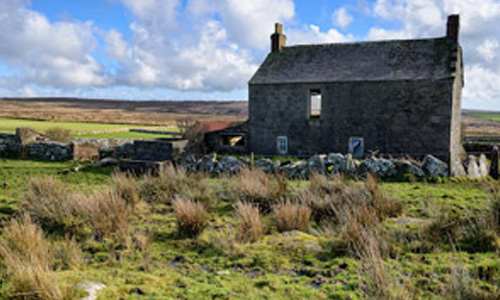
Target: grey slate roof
[{"x": 365, "y": 61}]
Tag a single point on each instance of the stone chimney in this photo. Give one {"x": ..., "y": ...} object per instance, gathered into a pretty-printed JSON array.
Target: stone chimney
[
  {"x": 453, "y": 28},
  {"x": 278, "y": 39}
]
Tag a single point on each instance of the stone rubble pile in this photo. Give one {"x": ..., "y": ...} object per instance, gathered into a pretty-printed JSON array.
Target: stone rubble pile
[
  {"x": 333, "y": 163},
  {"x": 336, "y": 163}
]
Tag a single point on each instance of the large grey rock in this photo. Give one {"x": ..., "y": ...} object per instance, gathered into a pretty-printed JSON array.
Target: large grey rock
[
  {"x": 473, "y": 167},
  {"x": 208, "y": 163},
  {"x": 484, "y": 169},
  {"x": 229, "y": 164},
  {"x": 189, "y": 162},
  {"x": 108, "y": 161},
  {"x": 434, "y": 167},
  {"x": 265, "y": 165},
  {"x": 408, "y": 167},
  {"x": 337, "y": 162},
  {"x": 316, "y": 164},
  {"x": 379, "y": 166},
  {"x": 297, "y": 169}
]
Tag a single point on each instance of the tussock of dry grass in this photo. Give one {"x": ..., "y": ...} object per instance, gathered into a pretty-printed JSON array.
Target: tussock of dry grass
[
  {"x": 49, "y": 202},
  {"x": 125, "y": 187},
  {"x": 249, "y": 222},
  {"x": 191, "y": 217},
  {"x": 257, "y": 187},
  {"x": 290, "y": 215},
  {"x": 27, "y": 263},
  {"x": 108, "y": 215}
]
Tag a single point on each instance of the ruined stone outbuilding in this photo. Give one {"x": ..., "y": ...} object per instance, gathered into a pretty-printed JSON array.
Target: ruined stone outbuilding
[{"x": 396, "y": 98}]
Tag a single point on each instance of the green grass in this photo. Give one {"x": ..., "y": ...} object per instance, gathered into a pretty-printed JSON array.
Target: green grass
[
  {"x": 178, "y": 268},
  {"x": 84, "y": 130},
  {"x": 489, "y": 116},
  {"x": 121, "y": 135}
]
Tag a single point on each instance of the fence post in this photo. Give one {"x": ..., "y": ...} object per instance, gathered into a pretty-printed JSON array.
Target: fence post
[{"x": 494, "y": 162}]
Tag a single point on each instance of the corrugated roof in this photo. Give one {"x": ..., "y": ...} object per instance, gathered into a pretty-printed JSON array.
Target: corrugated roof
[{"x": 365, "y": 61}]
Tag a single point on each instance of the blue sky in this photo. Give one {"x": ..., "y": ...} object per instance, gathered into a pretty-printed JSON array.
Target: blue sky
[{"x": 209, "y": 49}]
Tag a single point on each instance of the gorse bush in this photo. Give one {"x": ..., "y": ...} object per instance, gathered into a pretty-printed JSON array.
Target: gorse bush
[
  {"x": 191, "y": 217},
  {"x": 27, "y": 264},
  {"x": 290, "y": 215},
  {"x": 249, "y": 222}
]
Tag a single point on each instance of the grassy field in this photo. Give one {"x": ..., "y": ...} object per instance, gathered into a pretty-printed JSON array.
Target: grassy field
[
  {"x": 181, "y": 236},
  {"x": 489, "y": 116},
  {"x": 82, "y": 129}
]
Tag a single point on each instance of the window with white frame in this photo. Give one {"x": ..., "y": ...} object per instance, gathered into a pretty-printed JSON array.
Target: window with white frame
[{"x": 282, "y": 144}]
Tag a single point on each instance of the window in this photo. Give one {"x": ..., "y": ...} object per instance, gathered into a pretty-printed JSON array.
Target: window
[
  {"x": 282, "y": 144},
  {"x": 315, "y": 103},
  {"x": 357, "y": 147}
]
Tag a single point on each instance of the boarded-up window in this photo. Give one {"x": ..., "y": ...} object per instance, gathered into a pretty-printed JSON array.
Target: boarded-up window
[
  {"x": 315, "y": 103},
  {"x": 282, "y": 144}
]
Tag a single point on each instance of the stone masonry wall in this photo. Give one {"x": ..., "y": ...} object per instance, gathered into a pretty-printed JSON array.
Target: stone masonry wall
[{"x": 396, "y": 118}]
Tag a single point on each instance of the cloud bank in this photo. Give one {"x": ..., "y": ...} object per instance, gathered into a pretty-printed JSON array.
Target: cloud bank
[{"x": 214, "y": 46}]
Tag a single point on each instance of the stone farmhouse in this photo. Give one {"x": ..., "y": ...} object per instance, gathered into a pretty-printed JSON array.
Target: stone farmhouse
[{"x": 394, "y": 98}]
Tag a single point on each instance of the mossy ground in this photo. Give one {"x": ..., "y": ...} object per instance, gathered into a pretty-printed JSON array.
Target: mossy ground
[{"x": 277, "y": 266}]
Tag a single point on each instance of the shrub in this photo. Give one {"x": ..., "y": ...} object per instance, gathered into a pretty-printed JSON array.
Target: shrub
[
  {"x": 191, "y": 217},
  {"x": 27, "y": 264},
  {"x": 249, "y": 222},
  {"x": 290, "y": 215},
  {"x": 58, "y": 134},
  {"x": 47, "y": 201}
]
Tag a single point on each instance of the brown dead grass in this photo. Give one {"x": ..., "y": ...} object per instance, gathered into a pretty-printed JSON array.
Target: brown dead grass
[
  {"x": 250, "y": 227},
  {"x": 290, "y": 215},
  {"x": 191, "y": 217}
]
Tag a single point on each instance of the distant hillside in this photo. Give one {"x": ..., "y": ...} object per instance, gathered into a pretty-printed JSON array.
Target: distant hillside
[{"x": 119, "y": 111}]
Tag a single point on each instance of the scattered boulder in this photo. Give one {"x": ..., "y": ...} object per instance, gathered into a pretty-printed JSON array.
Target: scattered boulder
[
  {"x": 189, "y": 162},
  {"x": 408, "y": 167},
  {"x": 92, "y": 288},
  {"x": 336, "y": 162},
  {"x": 208, "y": 163},
  {"x": 434, "y": 167},
  {"x": 107, "y": 162},
  {"x": 484, "y": 169},
  {"x": 473, "y": 167},
  {"x": 316, "y": 164},
  {"x": 229, "y": 164},
  {"x": 379, "y": 166},
  {"x": 296, "y": 169},
  {"x": 265, "y": 165}
]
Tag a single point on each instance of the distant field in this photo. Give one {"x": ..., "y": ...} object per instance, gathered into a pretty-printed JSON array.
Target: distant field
[
  {"x": 80, "y": 129},
  {"x": 489, "y": 116},
  {"x": 153, "y": 113}
]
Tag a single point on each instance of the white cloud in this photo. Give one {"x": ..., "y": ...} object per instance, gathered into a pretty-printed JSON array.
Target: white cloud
[
  {"x": 479, "y": 37},
  {"x": 313, "y": 35},
  {"x": 56, "y": 54},
  {"x": 342, "y": 18}
]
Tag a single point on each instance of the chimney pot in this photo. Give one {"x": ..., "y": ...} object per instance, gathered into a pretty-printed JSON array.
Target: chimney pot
[{"x": 453, "y": 28}]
